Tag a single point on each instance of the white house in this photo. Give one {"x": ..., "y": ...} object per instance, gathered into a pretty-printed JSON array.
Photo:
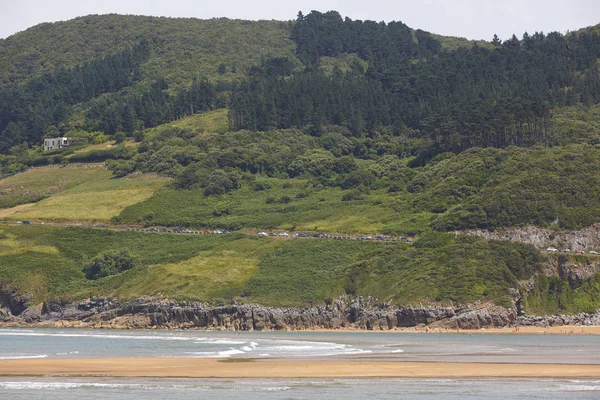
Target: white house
[{"x": 56, "y": 143}]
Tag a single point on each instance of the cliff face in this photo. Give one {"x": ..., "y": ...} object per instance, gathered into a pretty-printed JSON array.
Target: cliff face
[
  {"x": 351, "y": 314},
  {"x": 575, "y": 273},
  {"x": 356, "y": 313},
  {"x": 588, "y": 238}
]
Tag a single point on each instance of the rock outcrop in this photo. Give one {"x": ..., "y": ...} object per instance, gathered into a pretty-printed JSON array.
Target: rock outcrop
[
  {"x": 12, "y": 303},
  {"x": 575, "y": 273},
  {"x": 558, "y": 320},
  {"x": 359, "y": 313},
  {"x": 585, "y": 239}
]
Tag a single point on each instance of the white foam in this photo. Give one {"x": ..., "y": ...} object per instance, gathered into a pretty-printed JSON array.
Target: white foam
[
  {"x": 260, "y": 389},
  {"x": 215, "y": 354},
  {"x": 230, "y": 352},
  {"x": 29, "y": 385},
  {"x": 398, "y": 351},
  {"x": 99, "y": 336},
  {"x": 218, "y": 341},
  {"x": 579, "y": 388},
  {"x": 23, "y": 357},
  {"x": 220, "y": 346}
]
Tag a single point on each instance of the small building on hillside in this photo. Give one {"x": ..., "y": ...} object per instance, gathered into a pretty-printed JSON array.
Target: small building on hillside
[{"x": 56, "y": 143}]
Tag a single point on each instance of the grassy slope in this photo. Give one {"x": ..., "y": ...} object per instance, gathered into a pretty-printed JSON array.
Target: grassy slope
[
  {"x": 103, "y": 146},
  {"x": 79, "y": 192},
  {"x": 208, "y": 122},
  {"x": 47, "y": 262},
  {"x": 322, "y": 210},
  {"x": 36, "y": 184},
  {"x": 510, "y": 186}
]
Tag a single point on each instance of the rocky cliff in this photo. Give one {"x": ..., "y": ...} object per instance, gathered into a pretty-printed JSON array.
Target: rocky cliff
[
  {"x": 576, "y": 273},
  {"x": 341, "y": 314},
  {"x": 344, "y": 313},
  {"x": 585, "y": 239}
]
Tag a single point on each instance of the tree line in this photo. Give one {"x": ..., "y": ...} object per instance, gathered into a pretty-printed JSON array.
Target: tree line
[{"x": 27, "y": 110}]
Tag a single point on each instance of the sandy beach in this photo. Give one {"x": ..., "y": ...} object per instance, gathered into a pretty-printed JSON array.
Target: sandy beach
[{"x": 213, "y": 368}]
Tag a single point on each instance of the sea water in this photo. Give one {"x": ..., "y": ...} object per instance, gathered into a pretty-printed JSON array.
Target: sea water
[{"x": 75, "y": 343}]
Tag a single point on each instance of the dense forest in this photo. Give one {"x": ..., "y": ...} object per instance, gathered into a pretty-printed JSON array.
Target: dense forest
[{"x": 487, "y": 96}]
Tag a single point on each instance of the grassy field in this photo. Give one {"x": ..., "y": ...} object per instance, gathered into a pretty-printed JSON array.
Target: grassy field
[
  {"x": 39, "y": 183},
  {"x": 209, "y": 122},
  {"x": 47, "y": 262},
  {"x": 75, "y": 192}
]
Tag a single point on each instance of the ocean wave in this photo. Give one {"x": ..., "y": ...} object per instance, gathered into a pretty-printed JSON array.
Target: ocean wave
[
  {"x": 101, "y": 336},
  {"x": 23, "y": 357},
  {"x": 218, "y": 341},
  {"x": 32, "y": 385},
  {"x": 579, "y": 388},
  {"x": 215, "y": 354}
]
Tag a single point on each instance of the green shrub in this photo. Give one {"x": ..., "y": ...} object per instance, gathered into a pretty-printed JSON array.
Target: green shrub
[
  {"x": 109, "y": 263},
  {"x": 354, "y": 195}
]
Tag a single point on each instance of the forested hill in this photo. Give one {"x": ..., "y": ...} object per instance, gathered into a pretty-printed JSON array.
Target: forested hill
[
  {"x": 344, "y": 103},
  {"x": 49, "y": 69},
  {"x": 370, "y": 77},
  {"x": 183, "y": 48}
]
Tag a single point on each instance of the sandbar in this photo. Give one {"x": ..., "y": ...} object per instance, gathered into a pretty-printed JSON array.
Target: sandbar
[{"x": 219, "y": 368}]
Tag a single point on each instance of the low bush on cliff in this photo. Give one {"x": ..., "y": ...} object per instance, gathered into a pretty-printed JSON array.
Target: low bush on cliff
[
  {"x": 554, "y": 295},
  {"x": 491, "y": 188},
  {"x": 109, "y": 263}
]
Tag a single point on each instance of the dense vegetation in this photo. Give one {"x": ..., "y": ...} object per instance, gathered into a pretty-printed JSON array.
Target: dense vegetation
[
  {"x": 484, "y": 96},
  {"x": 318, "y": 124},
  {"x": 50, "y": 263},
  {"x": 109, "y": 263},
  {"x": 399, "y": 82},
  {"x": 554, "y": 295}
]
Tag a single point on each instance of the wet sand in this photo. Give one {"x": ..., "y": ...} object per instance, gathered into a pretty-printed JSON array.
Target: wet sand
[
  {"x": 235, "y": 368},
  {"x": 523, "y": 330}
]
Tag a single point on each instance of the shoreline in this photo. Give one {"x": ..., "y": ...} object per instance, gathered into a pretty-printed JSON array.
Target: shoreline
[
  {"x": 233, "y": 368},
  {"x": 521, "y": 330}
]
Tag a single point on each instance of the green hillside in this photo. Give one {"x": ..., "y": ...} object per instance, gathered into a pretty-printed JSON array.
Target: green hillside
[
  {"x": 48, "y": 263},
  {"x": 318, "y": 124}
]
